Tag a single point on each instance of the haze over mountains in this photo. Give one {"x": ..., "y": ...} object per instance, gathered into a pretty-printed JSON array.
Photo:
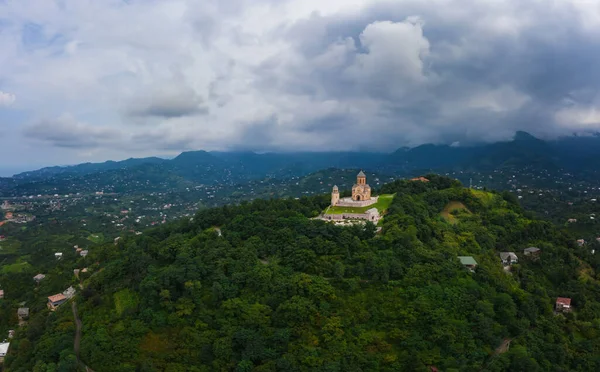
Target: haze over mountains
[{"x": 570, "y": 153}]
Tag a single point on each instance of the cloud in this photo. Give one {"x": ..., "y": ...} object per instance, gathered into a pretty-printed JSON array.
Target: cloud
[
  {"x": 7, "y": 99},
  {"x": 166, "y": 101},
  {"x": 65, "y": 131},
  {"x": 298, "y": 74}
]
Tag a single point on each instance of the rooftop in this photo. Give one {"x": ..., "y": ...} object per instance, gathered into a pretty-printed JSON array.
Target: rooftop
[
  {"x": 506, "y": 255},
  {"x": 467, "y": 260},
  {"x": 57, "y": 297},
  {"x": 23, "y": 311},
  {"x": 4, "y": 348},
  {"x": 563, "y": 301},
  {"x": 361, "y": 174}
]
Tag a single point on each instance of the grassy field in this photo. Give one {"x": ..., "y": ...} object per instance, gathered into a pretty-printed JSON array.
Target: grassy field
[
  {"x": 9, "y": 247},
  {"x": 486, "y": 197},
  {"x": 125, "y": 299},
  {"x": 382, "y": 205},
  {"x": 96, "y": 238},
  {"x": 15, "y": 268},
  {"x": 450, "y": 207}
]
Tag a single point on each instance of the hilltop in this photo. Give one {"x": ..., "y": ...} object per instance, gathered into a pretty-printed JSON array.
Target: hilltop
[{"x": 271, "y": 289}]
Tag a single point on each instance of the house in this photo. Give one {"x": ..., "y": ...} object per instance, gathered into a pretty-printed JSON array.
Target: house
[
  {"x": 421, "y": 179},
  {"x": 532, "y": 251},
  {"x": 563, "y": 304},
  {"x": 468, "y": 262},
  {"x": 580, "y": 242},
  {"x": 58, "y": 255},
  {"x": 572, "y": 220},
  {"x": 508, "y": 258},
  {"x": 76, "y": 272},
  {"x": 69, "y": 292},
  {"x": 11, "y": 333},
  {"x": 2, "y": 238},
  {"x": 83, "y": 253},
  {"x": 39, "y": 277},
  {"x": 23, "y": 313},
  {"x": 1, "y": 293},
  {"x": 3, "y": 350},
  {"x": 56, "y": 300}
]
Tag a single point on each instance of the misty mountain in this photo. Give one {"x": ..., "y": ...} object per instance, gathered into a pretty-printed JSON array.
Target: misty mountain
[
  {"x": 85, "y": 168},
  {"x": 202, "y": 167}
]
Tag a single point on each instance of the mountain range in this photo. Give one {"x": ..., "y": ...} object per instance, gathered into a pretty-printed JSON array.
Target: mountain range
[{"x": 202, "y": 167}]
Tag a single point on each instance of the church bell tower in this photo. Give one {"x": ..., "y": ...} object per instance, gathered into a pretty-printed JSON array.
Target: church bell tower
[{"x": 335, "y": 196}]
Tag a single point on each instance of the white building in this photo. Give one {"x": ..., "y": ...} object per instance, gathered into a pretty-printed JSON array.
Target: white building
[
  {"x": 508, "y": 258},
  {"x": 3, "y": 350}
]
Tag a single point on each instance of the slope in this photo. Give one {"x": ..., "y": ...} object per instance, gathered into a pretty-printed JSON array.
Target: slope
[{"x": 279, "y": 291}]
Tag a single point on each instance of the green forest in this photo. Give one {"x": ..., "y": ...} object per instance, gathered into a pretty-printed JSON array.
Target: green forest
[{"x": 263, "y": 287}]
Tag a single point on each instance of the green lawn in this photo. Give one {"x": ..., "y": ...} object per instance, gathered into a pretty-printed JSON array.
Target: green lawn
[
  {"x": 15, "y": 268},
  {"x": 97, "y": 238},
  {"x": 382, "y": 205}
]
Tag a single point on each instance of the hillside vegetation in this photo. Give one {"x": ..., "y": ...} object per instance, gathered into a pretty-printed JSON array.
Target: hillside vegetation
[{"x": 277, "y": 291}]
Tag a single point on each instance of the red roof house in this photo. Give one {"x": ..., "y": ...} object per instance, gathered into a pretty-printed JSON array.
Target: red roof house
[
  {"x": 563, "y": 304},
  {"x": 56, "y": 300}
]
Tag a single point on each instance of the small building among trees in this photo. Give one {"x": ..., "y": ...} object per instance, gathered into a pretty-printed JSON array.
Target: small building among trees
[
  {"x": 532, "y": 251},
  {"x": 563, "y": 304},
  {"x": 508, "y": 258},
  {"x": 56, "y": 300},
  {"x": 468, "y": 262}
]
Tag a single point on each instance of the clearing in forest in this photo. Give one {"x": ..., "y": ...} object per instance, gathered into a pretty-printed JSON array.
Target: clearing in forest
[
  {"x": 486, "y": 197},
  {"x": 97, "y": 238},
  {"x": 124, "y": 300},
  {"x": 15, "y": 268},
  {"x": 383, "y": 203},
  {"x": 451, "y": 207}
]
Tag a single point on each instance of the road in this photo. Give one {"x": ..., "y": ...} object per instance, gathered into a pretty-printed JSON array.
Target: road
[{"x": 77, "y": 341}]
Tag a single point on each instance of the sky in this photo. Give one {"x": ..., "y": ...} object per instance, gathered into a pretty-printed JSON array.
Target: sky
[{"x": 91, "y": 80}]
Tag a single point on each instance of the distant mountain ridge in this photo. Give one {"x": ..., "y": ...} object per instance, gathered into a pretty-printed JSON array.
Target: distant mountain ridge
[{"x": 202, "y": 167}]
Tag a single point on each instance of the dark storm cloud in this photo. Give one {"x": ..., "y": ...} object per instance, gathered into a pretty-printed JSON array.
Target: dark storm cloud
[
  {"x": 541, "y": 56},
  {"x": 66, "y": 132},
  {"x": 162, "y": 141},
  {"x": 169, "y": 101},
  {"x": 309, "y": 75}
]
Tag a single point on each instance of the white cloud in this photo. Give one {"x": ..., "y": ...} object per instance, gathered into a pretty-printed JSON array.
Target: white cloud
[
  {"x": 579, "y": 117},
  {"x": 296, "y": 74},
  {"x": 7, "y": 99}
]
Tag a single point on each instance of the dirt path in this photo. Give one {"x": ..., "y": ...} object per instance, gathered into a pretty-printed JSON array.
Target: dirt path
[
  {"x": 77, "y": 341},
  {"x": 504, "y": 346}
]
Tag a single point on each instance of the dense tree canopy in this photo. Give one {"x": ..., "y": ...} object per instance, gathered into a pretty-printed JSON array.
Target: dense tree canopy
[{"x": 263, "y": 287}]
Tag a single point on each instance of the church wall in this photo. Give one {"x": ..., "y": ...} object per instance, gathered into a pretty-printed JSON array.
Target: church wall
[{"x": 347, "y": 202}]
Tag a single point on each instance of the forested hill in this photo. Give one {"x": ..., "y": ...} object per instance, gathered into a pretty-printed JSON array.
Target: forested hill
[{"x": 262, "y": 287}]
